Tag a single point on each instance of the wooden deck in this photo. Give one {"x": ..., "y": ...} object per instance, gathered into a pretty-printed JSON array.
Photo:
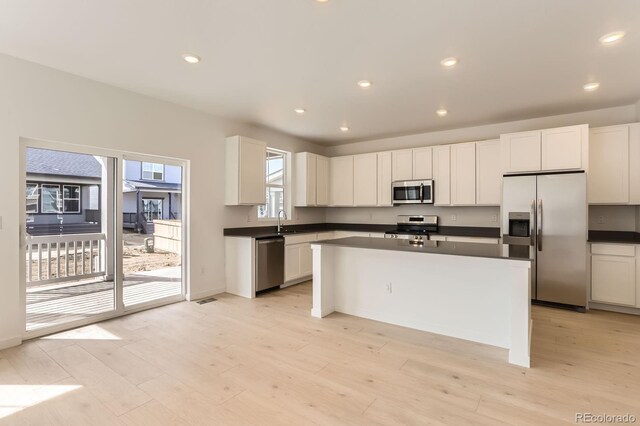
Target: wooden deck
[{"x": 56, "y": 304}]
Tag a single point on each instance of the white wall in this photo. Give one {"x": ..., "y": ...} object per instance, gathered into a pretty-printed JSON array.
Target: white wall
[
  {"x": 596, "y": 118},
  {"x": 614, "y": 218},
  {"x": 41, "y": 103}
]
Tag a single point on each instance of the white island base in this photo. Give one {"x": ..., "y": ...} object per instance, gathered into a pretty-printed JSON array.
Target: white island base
[{"x": 482, "y": 299}]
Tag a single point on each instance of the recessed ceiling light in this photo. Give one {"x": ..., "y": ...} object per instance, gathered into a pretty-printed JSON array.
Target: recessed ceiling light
[
  {"x": 322, "y": 1},
  {"x": 299, "y": 111},
  {"x": 449, "y": 62},
  {"x": 611, "y": 38},
  {"x": 590, "y": 87},
  {"x": 365, "y": 84},
  {"x": 442, "y": 112},
  {"x": 344, "y": 128},
  {"x": 191, "y": 58}
]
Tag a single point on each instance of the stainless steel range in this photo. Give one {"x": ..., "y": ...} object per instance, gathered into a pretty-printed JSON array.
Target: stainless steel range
[{"x": 415, "y": 228}]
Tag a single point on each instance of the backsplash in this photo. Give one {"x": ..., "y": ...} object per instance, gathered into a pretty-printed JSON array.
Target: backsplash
[
  {"x": 448, "y": 216},
  {"x": 613, "y": 218}
]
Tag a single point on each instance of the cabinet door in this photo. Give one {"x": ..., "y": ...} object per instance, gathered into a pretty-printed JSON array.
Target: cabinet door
[
  {"x": 442, "y": 175},
  {"x": 488, "y": 173},
  {"x": 365, "y": 178},
  {"x": 311, "y": 179},
  {"x": 463, "y": 174},
  {"x": 562, "y": 148},
  {"x": 384, "y": 179},
  {"x": 634, "y": 163},
  {"x": 613, "y": 279},
  {"x": 608, "y": 178},
  {"x": 322, "y": 181},
  {"x": 252, "y": 173},
  {"x": 423, "y": 163},
  {"x": 521, "y": 151},
  {"x": 292, "y": 262},
  {"x": 341, "y": 172},
  {"x": 306, "y": 260},
  {"x": 402, "y": 165}
]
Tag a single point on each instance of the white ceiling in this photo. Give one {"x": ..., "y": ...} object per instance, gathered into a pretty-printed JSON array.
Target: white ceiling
[{"x": 261, "y": 58}]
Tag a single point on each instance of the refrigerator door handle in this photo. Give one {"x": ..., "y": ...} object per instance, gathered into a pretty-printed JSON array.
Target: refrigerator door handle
[
  {"x": 539, "y": 237},
  {"x": 532, "y": 223}
]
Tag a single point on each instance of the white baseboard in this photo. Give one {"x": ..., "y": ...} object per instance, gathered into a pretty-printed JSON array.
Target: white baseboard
[
  {"x": 11, "y": 342},
  {"x": 202, "y": 294}
]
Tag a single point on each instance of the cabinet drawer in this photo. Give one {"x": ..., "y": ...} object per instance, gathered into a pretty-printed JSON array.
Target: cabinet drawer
[
  {"x": 614, "y": 249},
  {"x": 299, "y": 238},
  {"x": 474, "y": 240}
]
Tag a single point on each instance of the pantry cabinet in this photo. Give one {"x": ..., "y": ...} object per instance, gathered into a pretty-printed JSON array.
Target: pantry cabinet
[
  {"x": 341, "y": 181},
  {"x": 488, "y": 173},
  {"x": 442, "y": 175},
  {"x": 384, "y": 179},
  {"x": 402, "y": 164},
  {"x": 463, "y": 174},
  {"x": 245, "y": 164},
  {"x": 365, "y": 177}
]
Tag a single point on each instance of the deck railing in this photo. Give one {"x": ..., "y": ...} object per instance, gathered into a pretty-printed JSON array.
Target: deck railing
[{"x": 58, "y": 258}]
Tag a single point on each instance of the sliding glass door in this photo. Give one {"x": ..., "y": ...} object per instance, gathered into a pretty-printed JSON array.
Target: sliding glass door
[
  {"x": 152, "y": 206},
  {"x": 70, "y": 237}
]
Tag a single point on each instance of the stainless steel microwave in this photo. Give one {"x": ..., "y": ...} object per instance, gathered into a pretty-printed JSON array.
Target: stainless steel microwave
[{"x": 412, "y": 192}]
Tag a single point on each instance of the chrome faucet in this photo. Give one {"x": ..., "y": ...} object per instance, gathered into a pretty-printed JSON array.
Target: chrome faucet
[{"x": 285, "y": 218}]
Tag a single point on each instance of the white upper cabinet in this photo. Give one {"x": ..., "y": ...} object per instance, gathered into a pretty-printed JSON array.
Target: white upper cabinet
[
  {"x": 423, "y": 163},
  {"x": 322, "y": 181},
  {"x": 365, "y": 178},
  {"x": 384, "y": 179},
  {"x": 402, "y": 164},
  {"x": 521, "y": 151},
  {"x": 463, "y": 174},
  {"x": 245, "y": 174},
  {"x": 305, "y": 166},
  {"x": 341, "y": 179},
  {"x": 562, "y": 148},
  {"x": 442, "y": 175},
  {"x": 311, "y": 180},
  {"x": 488, "y": 173},
  {"x": 608, "y": 178},
  {"x": 634, "y": 163},
  {"x": 565, "y": 148}
]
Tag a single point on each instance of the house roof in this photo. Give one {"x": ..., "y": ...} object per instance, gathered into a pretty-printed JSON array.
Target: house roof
[
  {"x": 130, "y": 185},
  {"x": 61, "y": 163}
]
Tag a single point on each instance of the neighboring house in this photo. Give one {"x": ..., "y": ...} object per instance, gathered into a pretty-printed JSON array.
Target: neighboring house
[
  {"x": 151, "y": 191},
  {"x": 63, "y": 193}
]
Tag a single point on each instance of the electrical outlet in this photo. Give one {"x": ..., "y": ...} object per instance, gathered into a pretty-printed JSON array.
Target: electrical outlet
[
  {"x": 370, "y": 216},
  {"x": 248, "y": 218},
  {"x": 202, "y": 270},
  {"x": 494, "y": 218},
  {"x": 454, "y": 217},
  {"x": 600, "y": 219},
  {"x": 389, "y": 288}
]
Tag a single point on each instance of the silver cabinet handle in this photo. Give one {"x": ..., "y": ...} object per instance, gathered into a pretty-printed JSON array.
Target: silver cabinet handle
[{"x": 539, "y": 225}]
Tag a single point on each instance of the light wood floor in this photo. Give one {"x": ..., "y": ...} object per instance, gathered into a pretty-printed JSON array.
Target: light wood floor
[{"x": 266, "y": 361}]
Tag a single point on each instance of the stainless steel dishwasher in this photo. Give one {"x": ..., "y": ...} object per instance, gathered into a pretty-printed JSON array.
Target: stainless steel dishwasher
[{"x": 269, "y": 262}]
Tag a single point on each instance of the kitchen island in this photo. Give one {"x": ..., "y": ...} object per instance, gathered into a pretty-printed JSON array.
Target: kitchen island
[{"x": 472, "y": 291}]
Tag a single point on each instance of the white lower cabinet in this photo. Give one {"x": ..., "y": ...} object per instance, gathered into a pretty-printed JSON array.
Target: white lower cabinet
[
  {"x": 292, "y": 262},
  {"x": 613, "y": 274}
]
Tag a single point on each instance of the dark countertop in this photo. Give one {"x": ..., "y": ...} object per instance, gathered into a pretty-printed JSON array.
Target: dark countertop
[
  {"x": 491, "y": 251},
  {"x": 625, "y": 237},
  {"x": 271, "y": 231}
]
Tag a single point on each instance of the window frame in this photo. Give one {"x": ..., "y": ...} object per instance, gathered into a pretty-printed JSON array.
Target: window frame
[
  {"x": 79, "y": 199},
  {"x": 37, "y": 195},
  {"x": 49, "y": 185},
  {"x": 152, "y": 171},
  {"x": 285, "y": 186}
]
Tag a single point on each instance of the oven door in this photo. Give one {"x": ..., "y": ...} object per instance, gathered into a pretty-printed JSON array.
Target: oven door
[{"x": 407, "y": 193}]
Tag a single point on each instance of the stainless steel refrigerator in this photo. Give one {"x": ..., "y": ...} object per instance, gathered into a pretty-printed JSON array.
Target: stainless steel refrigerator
[{"x": 546, "y": 216}]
